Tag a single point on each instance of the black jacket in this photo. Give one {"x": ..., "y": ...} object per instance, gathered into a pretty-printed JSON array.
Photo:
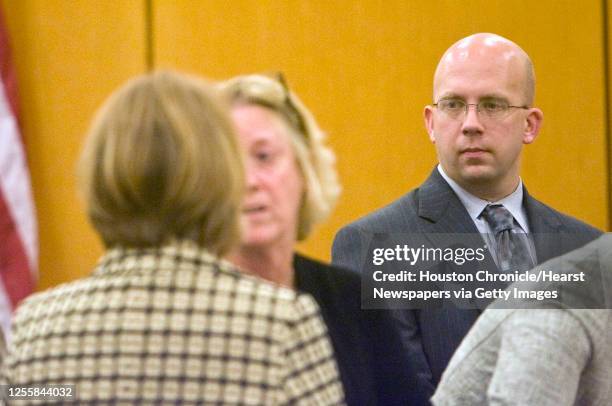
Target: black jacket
[{"x": 374, "y": 367}]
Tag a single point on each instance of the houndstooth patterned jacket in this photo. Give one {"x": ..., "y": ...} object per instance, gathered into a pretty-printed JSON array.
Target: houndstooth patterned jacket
[{"x": 174, "y": 325}]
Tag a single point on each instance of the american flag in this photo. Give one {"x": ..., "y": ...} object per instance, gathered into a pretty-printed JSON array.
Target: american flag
[{"x": 18, "y": 233}]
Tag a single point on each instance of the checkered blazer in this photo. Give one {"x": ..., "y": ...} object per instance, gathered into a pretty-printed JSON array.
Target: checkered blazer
[{"x": 174, "y": 325}]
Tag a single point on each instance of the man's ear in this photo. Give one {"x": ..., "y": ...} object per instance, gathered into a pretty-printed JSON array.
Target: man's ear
[
  {"x": 428, "y": 114},
  {"x": 533, "y": 122}
]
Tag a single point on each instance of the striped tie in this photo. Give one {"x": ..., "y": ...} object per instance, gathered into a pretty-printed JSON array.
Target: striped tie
[{"x": 511, "y": 249}]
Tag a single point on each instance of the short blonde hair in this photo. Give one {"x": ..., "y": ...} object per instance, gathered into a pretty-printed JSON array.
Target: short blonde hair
[
  {"x": 161, "y": 161},
  {"x": 315, "y": 160}
]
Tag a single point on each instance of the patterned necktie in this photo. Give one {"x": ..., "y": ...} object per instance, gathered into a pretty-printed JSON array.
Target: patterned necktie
[{"x": 512, "y": 249}]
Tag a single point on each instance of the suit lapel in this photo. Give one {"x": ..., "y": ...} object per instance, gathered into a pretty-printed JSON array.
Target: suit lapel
[
  {"x": 447, "y": 221},
  {"x": 440, "y": 206},
  {"x": 447, "y": 224},
  {"x": 545, "y": 227}
]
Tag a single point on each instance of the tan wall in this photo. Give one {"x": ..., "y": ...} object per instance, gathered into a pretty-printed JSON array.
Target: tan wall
[
  {"x": 69, "y": 56},
  {"x": 608, "y": 75},
  {"x": 363, "y": 67}
]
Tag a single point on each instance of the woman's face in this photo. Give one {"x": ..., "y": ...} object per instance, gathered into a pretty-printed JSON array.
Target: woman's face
[{"x": 274, "y": 182}]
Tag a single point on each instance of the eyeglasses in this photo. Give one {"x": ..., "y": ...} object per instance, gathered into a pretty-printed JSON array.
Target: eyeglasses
[
  {"x": 494, "y": 109},
  {"x": 291, "y": 112}
]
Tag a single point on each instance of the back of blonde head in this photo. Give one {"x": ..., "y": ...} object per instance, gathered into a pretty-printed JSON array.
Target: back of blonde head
[{"x": 161, "y": 161}]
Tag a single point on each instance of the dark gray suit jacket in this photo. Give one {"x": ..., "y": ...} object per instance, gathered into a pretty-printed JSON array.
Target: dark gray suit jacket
[{"x": 432, "y": 335}]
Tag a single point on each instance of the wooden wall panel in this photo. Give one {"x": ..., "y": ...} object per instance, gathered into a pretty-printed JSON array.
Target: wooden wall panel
[
  {"x": 69, "y": 56},
  {"x": 365, "y": 69},
  {"x": 608, "y": 79}
]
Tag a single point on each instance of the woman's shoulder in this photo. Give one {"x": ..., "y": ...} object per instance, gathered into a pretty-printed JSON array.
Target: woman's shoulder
[
  {"x": 123, "y": 281},
  {"x": 336, "y": 290},
  {"x": 309, "y": 270}
]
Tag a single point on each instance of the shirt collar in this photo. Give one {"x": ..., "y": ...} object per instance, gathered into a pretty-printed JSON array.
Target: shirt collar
[
  {"x": 475, "y": 205},
  {"x": 174, "y": 254}
]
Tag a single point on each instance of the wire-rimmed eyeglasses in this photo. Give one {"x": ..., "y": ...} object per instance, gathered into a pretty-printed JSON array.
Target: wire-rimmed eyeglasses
[{"x": 490, "y": 108}]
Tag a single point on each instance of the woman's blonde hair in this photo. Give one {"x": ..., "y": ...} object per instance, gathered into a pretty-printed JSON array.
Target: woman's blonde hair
[
  {"x": 161, "y": 161},
  {"x": 315, "y": 160}
]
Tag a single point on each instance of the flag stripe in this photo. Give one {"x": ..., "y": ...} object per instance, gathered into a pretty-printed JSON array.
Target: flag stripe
[
  {"x": 15, "y": 183},
  {"x": 17, "y": 281},
  {"x": 18, "y": 236}
]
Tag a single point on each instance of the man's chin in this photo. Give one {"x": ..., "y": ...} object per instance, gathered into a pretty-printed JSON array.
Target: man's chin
[
  {"x": 477, "y": 173},
  {"x": 478, "y": 176}
]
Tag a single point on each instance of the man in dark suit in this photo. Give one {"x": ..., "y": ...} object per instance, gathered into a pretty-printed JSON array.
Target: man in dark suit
[{"x": 481, "y": 117}]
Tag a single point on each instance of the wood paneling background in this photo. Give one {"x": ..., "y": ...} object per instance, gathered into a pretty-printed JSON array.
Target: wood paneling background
[
  {"x": 363, "y": 67},
  {"x": 69, "y": 56}
]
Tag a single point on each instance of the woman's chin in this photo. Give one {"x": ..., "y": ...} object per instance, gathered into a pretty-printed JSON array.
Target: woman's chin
[{"x": 259, "y": 240}]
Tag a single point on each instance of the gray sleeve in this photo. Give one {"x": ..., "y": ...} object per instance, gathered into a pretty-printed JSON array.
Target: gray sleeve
[{"x": 541, "y": 357}]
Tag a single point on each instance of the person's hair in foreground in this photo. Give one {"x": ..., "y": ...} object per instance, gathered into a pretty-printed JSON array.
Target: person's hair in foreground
[
  {"x": 315, "y": 160},
  {"x": 158, "y": 164},
  {"x": 162, "y": 319}
]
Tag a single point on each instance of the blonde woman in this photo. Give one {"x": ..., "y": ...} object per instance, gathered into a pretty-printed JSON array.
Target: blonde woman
[
  {"x": 291, "y": 186},
  {"x": 162, "y": 319}
]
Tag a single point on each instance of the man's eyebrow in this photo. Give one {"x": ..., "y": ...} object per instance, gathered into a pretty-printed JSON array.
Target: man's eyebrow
[
  {"x": 495, "y": 96},
  {"x": 490, "y": 96},
  {"x": 450, "y": 96}
]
